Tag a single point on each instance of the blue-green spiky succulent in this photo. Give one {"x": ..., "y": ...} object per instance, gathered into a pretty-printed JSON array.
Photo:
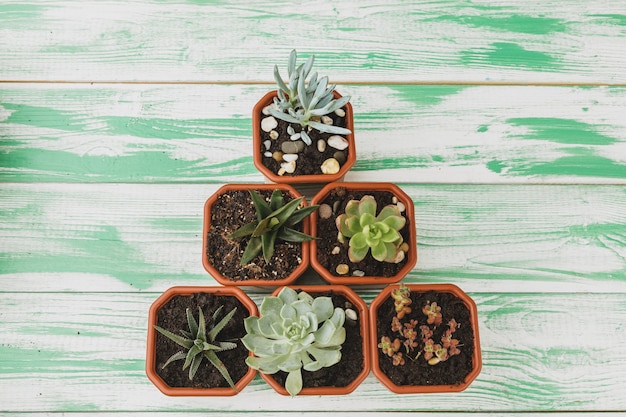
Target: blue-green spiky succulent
[{"x": 301, "y": 102}]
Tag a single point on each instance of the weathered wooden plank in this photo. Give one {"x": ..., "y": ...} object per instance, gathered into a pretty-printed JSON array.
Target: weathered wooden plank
[
  {"x": 85, "y": 352},
  {"x": 227, "y": 40},
  {"x": 130, "y": 237},
  {"x": 202, "y": 133}
]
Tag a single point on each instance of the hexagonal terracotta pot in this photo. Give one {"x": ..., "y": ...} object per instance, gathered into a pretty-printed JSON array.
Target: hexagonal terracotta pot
[
  {"x": 272, "y": 176},
  {"x": 299, "y": 261},
  {"x": 416, "y": 361},
  {"x": 151, "y": 353},
  {"x": 363, "y": 318},
  {"x": 323, "y": 256}
]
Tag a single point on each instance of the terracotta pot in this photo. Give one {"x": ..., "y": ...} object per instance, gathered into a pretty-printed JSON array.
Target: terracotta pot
[
  {"x": 349, "y": 279},
  {"x": 217, "y": 275},
  {"x": 152, "y": 335},
  {"x": 359, "y": 305},
  {"x": 418, "y": 389},
  {"x": 298, "y": 179}
]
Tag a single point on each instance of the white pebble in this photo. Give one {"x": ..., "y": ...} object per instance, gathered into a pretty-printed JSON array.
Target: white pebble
[
  {"x": 281, "y": 171},
  {"x": 401, "y": 207},
  {"x": 289, "y": 167},
  {"x": 290, "y": 130},
  {"x": 295, "y": 136},
  {"x": 325, "y": 211},
  {"x": 321, "y": 145},
  {"x": 338, "y": 142},
  {"x": 358, "y": 273},
  {"x": 290, "y": 157},
  {"x": 340, "y": 112},
  {"x": 399, "y": 257},
  {"x": 330, "y": 166},
  {"x": 267, "y": 154},
  {"x": 327, "y": 120},
  {"x": 336, "y": 250},
  {"x": 274, "y": 135},
  {"x": 351, "y": 314},
  {"x": 266, "y": 109},
  {"x": 394, "y": 200},
  {"x": 268, "y": 123},
  {"x": 267, "y": 144}
]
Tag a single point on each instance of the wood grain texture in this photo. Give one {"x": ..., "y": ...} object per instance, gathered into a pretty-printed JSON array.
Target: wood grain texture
[
  {"x": 540, "y": 354},
  {"x": 408, "y": 41},
  {"x": 137, "y": 237},
  {"x": 404, "y": 133}
]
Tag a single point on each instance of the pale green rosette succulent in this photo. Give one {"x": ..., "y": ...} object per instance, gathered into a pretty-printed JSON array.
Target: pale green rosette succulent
[
  {"x": 295, "y": 331},
  {"x": 367, "y": 231}
]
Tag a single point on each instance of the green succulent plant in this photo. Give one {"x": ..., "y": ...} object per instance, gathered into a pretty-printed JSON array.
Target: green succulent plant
[
  {"x": 295, "y": 331},
  {"x": 200, "y": 342},
  {"x": 301, "y": 102},
  {"x": 367, "y": 231},
  {"x": 275, "y": 220}
]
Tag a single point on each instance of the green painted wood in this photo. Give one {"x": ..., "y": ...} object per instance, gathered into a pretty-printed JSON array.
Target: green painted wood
[
  {"x": 175, "y": 40},
  {"x": 487, "y": 238},
  {"x": 202, "y": 133},
  {"x": 84, "y": 352}
]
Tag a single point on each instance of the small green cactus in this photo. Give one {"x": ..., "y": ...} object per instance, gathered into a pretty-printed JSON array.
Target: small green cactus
[
  {"x": 304, "y": 102},
  {"x": 368, "y": 231},
  {"x": 274, "y": 221},
  {"x": 200, "y": 343}
]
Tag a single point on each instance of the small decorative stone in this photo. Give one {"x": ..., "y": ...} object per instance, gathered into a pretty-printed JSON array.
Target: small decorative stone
[
  {"x": 351, "y": 314},
  {"x": 336, "y": 250},
  {"x": 338, "y": 142},
  {"x": 289, "y": 147},
  {"x": 358, "y": 273},
  {"x": 327, "y": 120},
  {"x": 321, "y": 145},
  {"x": 399, "y": 257},
  {"x": 290, "y": 157},
  {"x": 342, "y": 269},
  {"x": 340, "y": 156},
  {"x": 324, "y": 211},
  {"x": 290, "y": 130},
  {"x": 268, "y": 124},
  {"x": 267, "y": 154},
  {"x": 340, "y": 112},
  {"x": 267, "y": 144},
  {"x": 401, "y": 207},
  {"x": 330, "y": 166},
  {"x": 278, "y": 156},
  {"x": 273, "y": 135},
  {"x": 300, "y": 145},
  {"x": 404, "y": 247},
  {"x": 394, "y": 200},
  {"x": 266, "y": 109},
  {"x": 295, "y": 136},
  {"x": 281, "y": 171},
  {"x": 289, "y": 167}
]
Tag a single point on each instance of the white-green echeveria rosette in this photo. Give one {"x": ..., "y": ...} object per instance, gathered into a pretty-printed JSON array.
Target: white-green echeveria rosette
[{"x": 294, "y": 331}]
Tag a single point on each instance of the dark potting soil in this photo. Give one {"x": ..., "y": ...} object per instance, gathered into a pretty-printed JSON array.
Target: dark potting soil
[
  {"x": 310, "y": 159},
  {"x": 327, "y": 235},
  {"x": 352, "y": 361},
  {"x": 172, "y": 317},
  {"x": 232, "y": 210},
  {"x": 417, "y": 371}
]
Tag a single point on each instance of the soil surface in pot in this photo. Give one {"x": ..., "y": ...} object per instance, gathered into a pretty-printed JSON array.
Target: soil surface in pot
[
  {"x": 172, "y": 317},
  {"x": 232, "y": 210},
  {"x": 327, "y": 242},
  {"x": 352, "y": 361},
  {"x": 310, "y": 158},
  {"x": 417, "y": 371}
]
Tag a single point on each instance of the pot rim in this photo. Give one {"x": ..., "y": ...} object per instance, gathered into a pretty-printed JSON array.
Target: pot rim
[
  {"x": 364, "y": 326},
  {"x": 151, "y": 341},
  {"x": 299, "y": 179},
  {"x": 423, "y": 389},
  {"x": 368, "y": 279},
  {"x": 299, "y": 270}
]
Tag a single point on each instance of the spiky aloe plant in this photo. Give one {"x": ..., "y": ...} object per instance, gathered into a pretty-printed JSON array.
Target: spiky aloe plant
[
  {"x": 274, "y": 222},
  {"x": 201, "y": 342},
  {"x": 302, "y": 102}
]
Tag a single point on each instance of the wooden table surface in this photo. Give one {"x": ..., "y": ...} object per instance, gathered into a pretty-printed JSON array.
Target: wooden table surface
[{"x": 504, "y": 120}]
